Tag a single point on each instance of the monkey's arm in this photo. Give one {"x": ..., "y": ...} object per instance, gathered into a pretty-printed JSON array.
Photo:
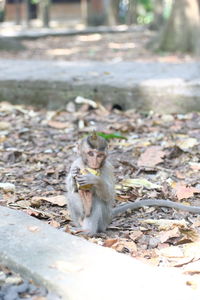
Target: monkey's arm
[
  {"x": 154, "y": 202},
  {"x": 103, "y": 184},
  {"x": 70, "y": 180}
]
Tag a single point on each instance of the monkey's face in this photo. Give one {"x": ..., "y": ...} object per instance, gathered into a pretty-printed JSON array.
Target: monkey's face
[{"x": 93, "y": 158}]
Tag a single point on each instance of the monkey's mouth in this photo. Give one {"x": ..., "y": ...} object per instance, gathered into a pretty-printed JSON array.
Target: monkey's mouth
[{"x": 94, "y": 166}]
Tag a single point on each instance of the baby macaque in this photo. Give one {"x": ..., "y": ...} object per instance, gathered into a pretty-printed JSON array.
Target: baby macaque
[{"x": 90, "y": 186}]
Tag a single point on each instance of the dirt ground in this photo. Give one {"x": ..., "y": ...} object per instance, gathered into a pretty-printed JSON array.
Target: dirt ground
[{"x": 132, "y": 46}]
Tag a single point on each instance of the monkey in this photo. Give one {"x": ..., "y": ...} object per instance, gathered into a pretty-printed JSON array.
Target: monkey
[
  {"x": 90, "y": 186},
  {"x": 91, "y": 193}
]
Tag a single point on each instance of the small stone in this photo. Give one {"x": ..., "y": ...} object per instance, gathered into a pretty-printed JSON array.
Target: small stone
[{"x": 70, "y": 107}]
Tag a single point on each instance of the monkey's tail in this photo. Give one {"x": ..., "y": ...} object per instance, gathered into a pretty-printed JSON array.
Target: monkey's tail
[{"x": 154, "y": 202}]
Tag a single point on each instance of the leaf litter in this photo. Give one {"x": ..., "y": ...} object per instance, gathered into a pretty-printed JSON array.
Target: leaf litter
[{"x": 154, "y": 156}]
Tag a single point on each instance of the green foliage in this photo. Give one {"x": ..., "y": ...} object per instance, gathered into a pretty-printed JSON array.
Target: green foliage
[
  {"x": 148, "y": 5},
  {"x": 111, "y": 136}
]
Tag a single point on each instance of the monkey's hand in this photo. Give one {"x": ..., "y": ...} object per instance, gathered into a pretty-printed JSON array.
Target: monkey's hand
[
  {"x": 88, "y": 179},
  {"x": 75, "y": 172}
]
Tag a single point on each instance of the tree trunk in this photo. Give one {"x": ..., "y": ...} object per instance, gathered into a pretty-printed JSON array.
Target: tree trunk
[
  {"x": 182, "y": 31},
  {"x": 100, "y": 12},
  {"x": 96, "y": 14},
  {"x": 18, "y": 14},
  {"x": 112, "y": 11},
  {"x": 44, "y": 7},
  {"x": 158, "y": 14},
  {"x": 131, "y": 17},
  {"x": 2, "y": 10}
]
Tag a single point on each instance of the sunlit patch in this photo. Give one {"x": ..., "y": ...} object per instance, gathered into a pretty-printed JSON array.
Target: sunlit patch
[
  {"x": 90, "y": 38},
  {"x": 122, "y": 46},
  {"x": 60, "y": 52}
]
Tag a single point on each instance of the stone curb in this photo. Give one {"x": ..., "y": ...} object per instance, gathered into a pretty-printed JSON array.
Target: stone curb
[
  {"x": 31, "y": 33},
  {"x": 79, "y": 270},
  {"x": 162, "y": 87}
]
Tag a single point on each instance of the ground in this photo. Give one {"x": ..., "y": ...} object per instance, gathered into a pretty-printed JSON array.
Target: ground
[
  {"x": 127, "y": 46},
  {"x": 38, "y": 146}
]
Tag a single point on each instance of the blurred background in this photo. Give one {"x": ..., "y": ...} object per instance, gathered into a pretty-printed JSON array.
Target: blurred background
[{"x": 177, "y": 20}]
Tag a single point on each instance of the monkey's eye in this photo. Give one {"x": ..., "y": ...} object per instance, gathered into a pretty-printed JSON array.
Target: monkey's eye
[
  {"x": 100, "y": 155},
  {"x": 90, "y": 153}
]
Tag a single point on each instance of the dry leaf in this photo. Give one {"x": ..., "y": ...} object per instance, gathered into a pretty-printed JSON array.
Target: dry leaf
[
  {"x": 110, "y": 242},
  {"x": 184, "y": 192},
  {"x": 59, "y": 125},
  {"x": 140, "y": 182},
  {"x": 151, "y": 157},
  {"x": 195, "y": 166},
  {"x": 187, "y": 143},
  {"x": 166, "y": 235},
  {"x": 54, "y": 224},
  {"x": 172, "y": 251},
  {"x": 192, "y": 249},
  {"x": 57, "y": 200},
  {"x": 5, "y": 126},
  {"x": 135, "y": 235},
  {"x": 165, "y": 224}
]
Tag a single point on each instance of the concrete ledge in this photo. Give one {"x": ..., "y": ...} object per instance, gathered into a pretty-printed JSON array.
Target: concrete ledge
[
  {"x": 79, "y": 270},
  {"x": 34, "y": 33},
  {"x": 162, "y": 87}
]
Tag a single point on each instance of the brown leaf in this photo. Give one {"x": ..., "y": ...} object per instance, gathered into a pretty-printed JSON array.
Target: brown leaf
[
  {"x": 59, "y": 125},
  {"x": 135, "y": 235},
  {"x": 58, "y": 200},
  {"x": 110, "y": 242},
  {"x": 166, "y": 235},
  {"x": 54, "y": 223},
  {"x": 184, "y": 192},
  {"x": 151, "y": 157}
]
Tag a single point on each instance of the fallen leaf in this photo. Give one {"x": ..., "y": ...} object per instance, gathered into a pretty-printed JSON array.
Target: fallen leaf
[
  {"x": 54, "y": 224},
  {"x": 110, "y": 242},
  {"x": 5, "y": 126},
  {"x": 135, "y": 235},
  {"x": 57, "y": 200},
  {"x": 59, "y": 125},
  {"x": 165, "y": 224},
  {"x": 184, "y": 192},
  {"x": 166, "y": 235},
  {"x": 140, "y": 182},
  {"x": 192, "y": 249},
  {"x": 172, "y": 251},
  {"x": 195, "y": 166},
  {"x": 151, "y": 157},
  {"x": 186, "y": 143}
]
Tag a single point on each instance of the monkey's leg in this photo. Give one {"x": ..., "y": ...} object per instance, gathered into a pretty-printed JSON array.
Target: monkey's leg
[
  {"x": 105, "y": 216},
  {"x": 76, "y": 209},
  {"x": 99, "y": 218}
]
